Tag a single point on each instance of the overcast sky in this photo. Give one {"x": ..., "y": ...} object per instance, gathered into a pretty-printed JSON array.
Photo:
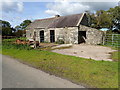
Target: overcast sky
[{"x": 16, "y": 12}]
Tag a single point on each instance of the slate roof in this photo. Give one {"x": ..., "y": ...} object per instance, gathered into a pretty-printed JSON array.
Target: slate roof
[
  {"x": 41, "y": 23},
  {"x": 56, "y": 22}
]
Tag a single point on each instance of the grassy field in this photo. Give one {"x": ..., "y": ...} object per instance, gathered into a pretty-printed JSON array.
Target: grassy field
[
  {"x": 90, "y": 73},
  {"x": 115, "y": 56}
]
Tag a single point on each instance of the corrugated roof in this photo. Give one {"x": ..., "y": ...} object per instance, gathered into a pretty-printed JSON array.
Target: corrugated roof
[{"x": 57, "y": 22}]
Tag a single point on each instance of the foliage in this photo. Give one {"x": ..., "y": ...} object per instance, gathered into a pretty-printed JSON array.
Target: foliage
[
  {"x": 6, "y": 28},
  {"x": 115, "y": 15},
  {"x": 24, "y": 24},
  {"x": 20, "y": 33},
  {"x": 115, "y": 55},
  {"x": 9, "y": 45},
  {"x": 60, "y": 41},
  {"x": 13, "y": 39},
  {"x": 106, "y": 19},
  {"x": 4, "y": 23},
  {"x": 101, "y": 19},
  {"x": 18, "y": 28},
  {"x": 6, "y": 31},
  {"x": 91, "y": 73}
]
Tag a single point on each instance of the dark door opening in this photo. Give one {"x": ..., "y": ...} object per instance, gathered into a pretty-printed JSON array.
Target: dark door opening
[
  {"x": 81, "y": 36},
  {"x": 52, "y": 36},
  {"x": 41, "y": 36}
]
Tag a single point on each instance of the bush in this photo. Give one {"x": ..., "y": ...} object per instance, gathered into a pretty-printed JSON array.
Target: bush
[
  {"x": 9, "y": 45},
  {"x": 60, "y": 41},
  {"x": 14, "y": 39}
]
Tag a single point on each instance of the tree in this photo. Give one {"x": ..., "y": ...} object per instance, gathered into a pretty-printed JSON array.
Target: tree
[
  {"x": 115, "y": 15},
  {"x": 93, "y": 20},
  {"x": 6, "y": 28},
  {"x": 20, "y": 33},
  {"x": 24, "y": 24},
  {"x": 106, "y": 19},
  {"x": 18, "y": 28},
  {"x": 5, "y": 23},
  {"x": 101, "y": 19}
]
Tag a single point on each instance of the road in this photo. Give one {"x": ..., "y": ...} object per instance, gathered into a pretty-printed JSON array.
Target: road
[
  {"x": 0, "y": 72},
  {"x": 18, "y": 75}
]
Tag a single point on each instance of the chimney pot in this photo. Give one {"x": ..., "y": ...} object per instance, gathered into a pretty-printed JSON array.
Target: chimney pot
[{"x": 57, "y": 15}]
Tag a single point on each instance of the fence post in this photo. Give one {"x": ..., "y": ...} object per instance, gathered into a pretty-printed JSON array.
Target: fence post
[
  {"x": 103, "y": 40},
  {"x": 104, "y": 37},
  {"x": 112, "y": 39}
]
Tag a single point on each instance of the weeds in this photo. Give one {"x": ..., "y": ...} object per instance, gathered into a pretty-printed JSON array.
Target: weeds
[{"x": 91, "y": 73}]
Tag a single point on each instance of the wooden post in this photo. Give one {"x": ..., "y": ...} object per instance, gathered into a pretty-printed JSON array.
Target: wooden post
[
  {"x": 104, "y": 36},
  {"x": 112, "y": 38},
  {"x": 103, "y": 40},
  {"x": 34, "y": 38}
]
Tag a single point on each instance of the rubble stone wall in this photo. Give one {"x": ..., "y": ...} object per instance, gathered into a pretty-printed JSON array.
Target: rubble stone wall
[
  {"x": 93, "y": 36},
  {"x": 69, "y": 34}
]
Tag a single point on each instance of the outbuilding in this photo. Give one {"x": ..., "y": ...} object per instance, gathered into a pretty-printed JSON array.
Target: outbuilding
[{"x": 68, "y": 29}]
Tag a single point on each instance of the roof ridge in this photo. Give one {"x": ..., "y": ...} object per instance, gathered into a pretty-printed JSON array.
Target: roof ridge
[
  {"x": 72, "y": 14},
  {"x": 55, "y": 17},
  {"x": 44, "y": 19}
]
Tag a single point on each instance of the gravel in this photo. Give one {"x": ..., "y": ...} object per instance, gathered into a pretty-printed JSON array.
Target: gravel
[{"x": 88, "y": 51}]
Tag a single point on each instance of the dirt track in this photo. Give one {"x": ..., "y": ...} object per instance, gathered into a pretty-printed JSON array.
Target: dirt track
[{"x": 88, "y": 51}]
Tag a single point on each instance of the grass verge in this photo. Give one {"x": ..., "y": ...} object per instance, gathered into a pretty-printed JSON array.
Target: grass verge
[
  {"x": 90, "y": 73},
  {"x": 115, "y": 55}
]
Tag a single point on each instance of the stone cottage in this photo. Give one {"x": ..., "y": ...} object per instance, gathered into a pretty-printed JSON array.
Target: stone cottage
[{"x": 69, "y": 29}]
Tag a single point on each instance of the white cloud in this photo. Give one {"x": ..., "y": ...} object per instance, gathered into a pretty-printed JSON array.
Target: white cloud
[
  {"x": 20, "y": 6},
  {"x": 100, "y": 5},
  {"x": 10, "y": 6},
  {"x": 64, "y": 7}
]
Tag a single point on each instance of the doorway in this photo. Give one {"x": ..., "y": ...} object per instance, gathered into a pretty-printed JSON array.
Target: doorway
[
  {"x": 81, "y": 36},
  {"x": 41, "y": 36},
  {"x": 52, "y": 36}
]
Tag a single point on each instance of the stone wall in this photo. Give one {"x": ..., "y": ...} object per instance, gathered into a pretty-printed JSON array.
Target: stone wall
[
  {"x": 67, "y": 34},
  {"x": 93, "y": 35},
  {"x": 29, "y": 33}
]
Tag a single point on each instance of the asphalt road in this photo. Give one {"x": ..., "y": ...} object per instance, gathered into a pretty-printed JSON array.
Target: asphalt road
[
  {"x": 0, "y": 71},
  {"x": 18, "y": 75}
]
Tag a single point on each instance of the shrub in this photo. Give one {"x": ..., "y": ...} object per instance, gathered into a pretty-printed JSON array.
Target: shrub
[
  {"x": 9, "y": 45},
  {"x": 60, "y": 41}
]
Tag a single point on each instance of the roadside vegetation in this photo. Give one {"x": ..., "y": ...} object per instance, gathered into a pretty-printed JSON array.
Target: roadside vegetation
[
  {"x": 88, "y": 72},
  {"x": 115, "y": 55}
]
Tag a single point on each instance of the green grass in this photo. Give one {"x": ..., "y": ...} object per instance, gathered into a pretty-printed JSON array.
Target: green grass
[
  {"x": 50, "y": 48},
  {"x": 14, "y": 39},
  {"x": 112, "y": 37},
  {"x": 90, "y": 73},
  {"x": 115, "y": 55}
]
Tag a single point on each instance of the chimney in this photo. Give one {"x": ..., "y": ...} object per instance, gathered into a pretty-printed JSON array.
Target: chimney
[{"x": 57, "y": 16}]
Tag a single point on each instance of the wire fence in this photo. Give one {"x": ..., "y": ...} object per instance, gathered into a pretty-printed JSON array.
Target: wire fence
[{"x": 112, "y": 40}]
